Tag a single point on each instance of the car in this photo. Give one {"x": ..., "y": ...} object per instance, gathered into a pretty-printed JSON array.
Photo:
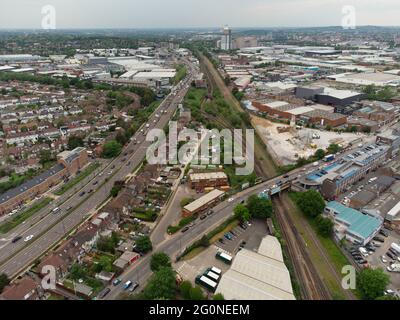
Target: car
[
  {"x": 361, "y": 261},
  {"x": 389, "y": 292},
  {"x": 221, "y": 240},
  {"x": 286, "y": 176},
  {"x": 384, "y": 233},
  {"x": 69, "y": 208},
  {"x": 117, "y": 282},
  {"x": 90, "y": 191},
  {"x": 233, "y": 233},
  {"x": 96, "y": 182},
  {"x": 134, "y": 286},
  {"x": 203, "y": 217},
  {"x": 383, "y": 259},
  {"x": 185, "y": 229},
  {"x": 228, "y": 236},
  {"x": 127, "y": 284},
  {"x": 82, "y": 193},
  {"x": 389, "y": 268},
  {"x": 113, "y": 167},
  {"x": 242, "y": 244},
  {"x": 394, "y": 252},
  {"x": 243, "y": 226},
  {"x": 16, "y": 239},
  {"x": 27, "y": 238},
  {"x": 390, "y": 255},
  {"x": 379, "y": 239},
  {"x": 210, "y": 212},
  {"x": 105, "y": 292},
  {"x": 230, "y": 199}
]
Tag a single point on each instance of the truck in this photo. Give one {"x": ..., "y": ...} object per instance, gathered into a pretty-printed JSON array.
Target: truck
[{"x": 329, "y": 157}]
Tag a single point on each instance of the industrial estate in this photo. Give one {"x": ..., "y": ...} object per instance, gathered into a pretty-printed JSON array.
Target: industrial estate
[{"x": 80, "y": 201}]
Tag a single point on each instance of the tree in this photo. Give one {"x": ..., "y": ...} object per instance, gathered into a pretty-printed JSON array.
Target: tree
[
  {"x": 387, "y": 297},
  {"x": 144, "y": 244},
  {"x": 372, "y": 283},
  {"x": 324, "y": 226},
  {"x": 319, "y": 154},
  {"x": 75, "y": 142},
  {"x": 241, "y": 212},
  {"x": 185, "y": 288},
  {"x": 159, "y": 260},
  {"x": 333, "y": 148},
  {"x": 121, "y": 138},
  {"x": 111, "y": 149},
  {"x": 310, "y": 203},
  {"x": 45, "y": 156},
  {"x": 4, "y": 281},
  {"x": 196, "y": 293},
  {"x": 259, "y": 207},
  {"x": 218, "y": 296},
  {"x": 162, "y": 285},
  {"x": 185, "y": 201}
]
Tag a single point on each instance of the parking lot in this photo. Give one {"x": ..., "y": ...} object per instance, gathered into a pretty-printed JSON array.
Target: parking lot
[
  {"x": 252, "y": 236},
  {"x": 189, "y": 269},
  {"x": 375, "y": 260}
]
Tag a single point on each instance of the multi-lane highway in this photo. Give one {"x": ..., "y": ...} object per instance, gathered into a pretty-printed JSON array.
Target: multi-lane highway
[{"x": 50, "y": 228}]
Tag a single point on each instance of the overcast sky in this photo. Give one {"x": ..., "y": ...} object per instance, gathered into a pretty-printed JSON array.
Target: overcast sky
[{"x": 196, "y": 13}]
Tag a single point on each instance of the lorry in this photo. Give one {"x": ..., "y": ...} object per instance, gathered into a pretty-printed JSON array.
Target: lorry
[{"x": 329, "y": 157}]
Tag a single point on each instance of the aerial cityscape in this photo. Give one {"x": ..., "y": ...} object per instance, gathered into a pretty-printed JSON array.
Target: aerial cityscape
[{"x": 242, "y": 156}]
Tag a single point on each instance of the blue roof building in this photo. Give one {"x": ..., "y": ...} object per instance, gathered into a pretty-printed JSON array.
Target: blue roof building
[{"x": 356, "y": 226}]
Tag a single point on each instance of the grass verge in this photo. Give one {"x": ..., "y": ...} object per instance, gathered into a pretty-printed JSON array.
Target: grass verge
[
  {"x": 9, "y": 225},
  {"x": 70, "y": 184}
]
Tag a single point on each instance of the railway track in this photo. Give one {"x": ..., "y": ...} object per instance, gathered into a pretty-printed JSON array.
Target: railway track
[{"x": 311, "y": 285}]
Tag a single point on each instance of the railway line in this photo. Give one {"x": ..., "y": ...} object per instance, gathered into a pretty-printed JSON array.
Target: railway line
[{"x": 311, "y": 285}]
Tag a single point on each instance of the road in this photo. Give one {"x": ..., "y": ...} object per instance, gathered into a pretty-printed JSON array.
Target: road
[{"x": 15, "y": 257}]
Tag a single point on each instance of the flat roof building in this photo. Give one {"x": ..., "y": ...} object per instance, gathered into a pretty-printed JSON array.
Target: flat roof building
[
  {"x": 203, "y": 202},
  {"x": 258, "y": 275}
]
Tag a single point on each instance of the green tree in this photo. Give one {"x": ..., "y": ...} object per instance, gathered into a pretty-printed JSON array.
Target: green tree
[
  {"x": 185, "y": 288},
  {"x": 196, "y": 293},
  {"x": 159, "y": 260},
  {"x": 4, "y": 281},
  {"x": 333, "y": 148},
  {"x": 218, "y": 296},
  {"x": 259, "y": 207},
  {"x": 310, "y": 203},
  {"x": 387, "y": 297},
  {"x": 162, "y": 285},
  {"x": 372, "y": 283},
  {"x": 111, "y": 149},
  {"x": 75, "y": 142},
  {"x": 144, "y": 244},
  {"x": 324, "y": 226},
  {"x": 77, "y": 272},
  {"x": 185, "y": 201},
  {"x": 319, "y": 154},
  {"x": 241, "y": 212},
  {"x": 45, "y": 156}
]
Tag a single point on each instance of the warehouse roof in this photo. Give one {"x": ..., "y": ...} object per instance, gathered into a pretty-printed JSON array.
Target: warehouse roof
[
  {"x": 258, "y": 276},
  {"x": 360, "y": 224},
  {"x": 208, "y": 176},
  {"x": 212, "y": 195}
]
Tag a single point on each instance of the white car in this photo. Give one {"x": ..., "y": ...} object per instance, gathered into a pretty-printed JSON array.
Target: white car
[
  {"x": 389, "y": 268},
  {"x": 383, "y": 259},
  {"x": 389, "y": 292},
  {"x": 230, "y": 199},
  {"x": 28, "y": 238}
]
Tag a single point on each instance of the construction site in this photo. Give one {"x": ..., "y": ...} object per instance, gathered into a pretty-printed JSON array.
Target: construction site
[{"x": 288, "y": 143}]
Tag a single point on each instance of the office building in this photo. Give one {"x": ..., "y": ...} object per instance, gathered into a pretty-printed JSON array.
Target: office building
[{"x": 226, "y": 39}]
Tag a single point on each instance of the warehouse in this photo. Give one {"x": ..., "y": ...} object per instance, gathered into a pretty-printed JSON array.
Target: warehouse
[
  {"x": 328, "y": 96},
  {"x": 258, "y": 275},
  {"x": 199, "y": 181},
  {"x": 353, "y": 225},
  {"x": 203, "y": 203}
]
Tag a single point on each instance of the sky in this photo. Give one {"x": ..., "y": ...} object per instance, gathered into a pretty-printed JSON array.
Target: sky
[{"x": 196, "y": 13}]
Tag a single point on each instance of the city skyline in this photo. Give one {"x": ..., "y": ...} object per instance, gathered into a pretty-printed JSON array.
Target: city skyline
[{"x": 122, "y": 14}]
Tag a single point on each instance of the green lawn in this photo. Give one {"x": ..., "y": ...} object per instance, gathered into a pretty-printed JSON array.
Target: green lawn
[
  {"x": 70, "y": 184},
  {"x": 17, "y": 220}
]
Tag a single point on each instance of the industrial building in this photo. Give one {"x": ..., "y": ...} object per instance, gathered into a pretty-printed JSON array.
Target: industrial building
[
  {"x": 203, "y": 203},
  {"x": 258, "y": 275},
  {"x": 328, "y": 96},
  {"x": 69, "y": 163},
  {"x": 334, "y": 178},
  {"x": 199, "y": 181},
  {"x": 353, "y": 225}
]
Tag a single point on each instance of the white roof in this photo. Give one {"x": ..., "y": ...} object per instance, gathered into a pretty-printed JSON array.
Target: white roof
[
  {"x": 300, "y": 110},
  {"x": 340, "y": 94},
  {"x": 155, "y": 74},
  {"x": 5, "y": 68},
  {"x": 207, "y": 175},
  {"x": 271, "y": 247},
  {"x": 212, "y": 195},
  {"x": 276, "y": 104},
  {"x": 394, "y": 211},
  {"x": 258, "y": 276}
]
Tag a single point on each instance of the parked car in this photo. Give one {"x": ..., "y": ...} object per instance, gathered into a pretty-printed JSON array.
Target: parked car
[
  {"x": 185, "y": 229},
  {"x": 82, "y": 193},
  {"x": 133, "y": 286},
  {"x": 390, "y": 255},
  {"x": 127, "y": 284},
  {"x": 16, "y": 239},
  {"x": 203, "y": 217},
  {"x": 384, "y": 233},
  {"x": 221, "y": 240},
  {"x": 116, "y": 281},
  {"x": 105, "y": 292},
  {"x": 379, "y": 239},
  {"x": 210, "y": 212}
]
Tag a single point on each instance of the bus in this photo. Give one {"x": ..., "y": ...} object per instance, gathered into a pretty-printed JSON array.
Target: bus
[
  {"x": 213, "y": 276},
  {"x": 226, "y": 258},
  {"x": 215, "y": 270},
  {"x": 206, "y": 283}
]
